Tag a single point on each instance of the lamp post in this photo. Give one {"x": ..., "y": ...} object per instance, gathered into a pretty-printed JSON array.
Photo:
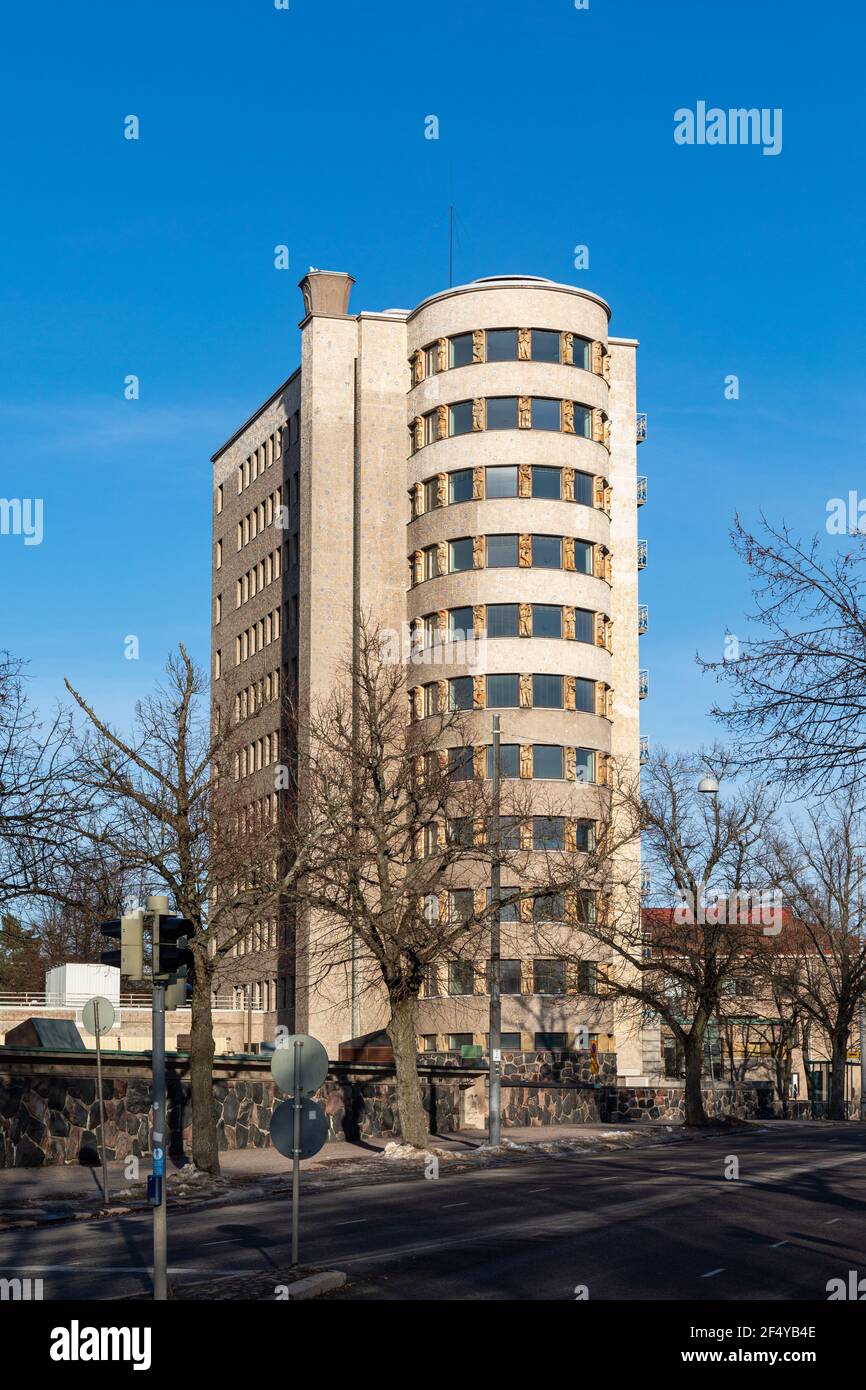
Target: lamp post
[{"x": 494, "y": 1116}]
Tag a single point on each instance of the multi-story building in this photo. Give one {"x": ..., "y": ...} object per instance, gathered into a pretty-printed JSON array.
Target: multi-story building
[{"x": 469, "y": 464}]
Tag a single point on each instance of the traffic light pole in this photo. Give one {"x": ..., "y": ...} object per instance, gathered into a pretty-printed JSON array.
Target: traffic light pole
[
  {"x": 160, "y": 1138},
  {"x": 296, "y": 1153}
]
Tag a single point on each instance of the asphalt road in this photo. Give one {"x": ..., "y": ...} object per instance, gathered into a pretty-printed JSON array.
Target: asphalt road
[{"x": 647, "y": 1223}]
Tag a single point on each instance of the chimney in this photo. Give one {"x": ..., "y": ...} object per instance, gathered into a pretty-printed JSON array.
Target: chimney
[{"x": 326, "y": 292}]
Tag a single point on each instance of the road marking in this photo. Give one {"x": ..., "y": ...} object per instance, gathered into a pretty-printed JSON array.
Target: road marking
[
  {"x": 539, "y": 1189},
  {"x": 358, "y": 1221},
  {"x": 709, "y": 1274},
  {"x": 833, "y": 1222},
  {"x": 448, "y": 1205},
  {"x": 778, "y": 1245}
]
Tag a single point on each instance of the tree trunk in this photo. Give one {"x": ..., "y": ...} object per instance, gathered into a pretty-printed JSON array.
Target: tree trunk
[
  {"x": 401, "y": 1031},
  {"x": 694, "y": 1060},
  {"x": 205, "y": 1151},
  {"x": 838, "y": 1075}
]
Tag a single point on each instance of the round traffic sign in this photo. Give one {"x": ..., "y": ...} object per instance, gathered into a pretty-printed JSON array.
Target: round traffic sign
[
  {"x": 314, "y": 1128},
  {"x": 313, "y": 1063},
  {"x": 97, "y": 1016}
]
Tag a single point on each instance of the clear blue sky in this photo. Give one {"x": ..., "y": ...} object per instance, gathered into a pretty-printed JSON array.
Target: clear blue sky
[{"x": 306, "y": 127}]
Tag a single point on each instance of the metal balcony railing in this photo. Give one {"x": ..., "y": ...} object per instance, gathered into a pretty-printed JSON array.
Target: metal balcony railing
[
  {"x": 643, "y": 684},
  {"x": 641, "y": 555},
  {"x": 641, "y": 489},
  {"x": 37, "y": 999},
  {"x": 644, "y": 750},
  {"x": 640, "y": 427},
  {"x": 642, "y": 618}
]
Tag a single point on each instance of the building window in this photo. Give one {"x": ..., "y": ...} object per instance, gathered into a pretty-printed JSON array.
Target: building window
[
  {"x": 547, "y": 762},
  {"x": 550, "y": 907},
  {"x": 431, "y": 562},
  {"x": 583, "y": 557},
  {"x": 509, "y": 981},
  {"x": 503, "y": 692},
  {"x": 218, "y": 608},
  {"x": 460, "y": 350},
  {"x": 219, "y": 499},
  {"x": 584, "y": 696},
  {"x": 219, "y": 554},
  {"x": 501, "y": 552},
  {"x": 586, "y": 905},
  {"x": 501, "y": 482},
  {"x": 457, "y": 1041},
  {"x": 583, "y": 489},
  {"x": 502, "y": 620},
  {"x": 460, "y": 692},
  {"x": 547, "y": 552},
  {"x": 431, "y": 495},
  {"x": 547, "y": 691},
  {"x": 546, "y": 620},
  {"x": 431, "y": 427},
  {"x": 460, "y": 555},
  {"x": 584, "y": 835},
  {"x": 217, "y": 665},
  {"x": 460, "y": 624},
  {"x": 546, "y": 482},
  {"x": 584, "y": 625},
  {"x": 546, "y": 413},
  {"x": 460, "y": 418},
  {"x": 430, "y": 987},
  {"x": 431, "y": 359},
  {"x": 584, "y": 765},
  {"x": 509, "y": 760},
  {"x": 461, "y": 977},
  {"x": 587, "y": 977},
  {"x": 460, "y": 765},
  {"x": 548, "y": 833},
  {"x": 545, "y": 345},
  {"x": 582, "y": 421},
  {"x": 548, "y": 977},
  {"x": 502, "y": 413},
  {"x": 501, "y": 345},
  {"x": 431, "y": 698},
  {"x": 428, "y": 1042},
  {"x": 581, "y": 352},
  {"x": 460, "y": 486},
  {"x": 551, "y": 1042}
]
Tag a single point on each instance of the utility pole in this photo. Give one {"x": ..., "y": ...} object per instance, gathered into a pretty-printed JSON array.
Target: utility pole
[
  {"x": 158, "y": 906},
  {"x": 494, "y": 1116},
  {"x": 863, "y": 1056}
]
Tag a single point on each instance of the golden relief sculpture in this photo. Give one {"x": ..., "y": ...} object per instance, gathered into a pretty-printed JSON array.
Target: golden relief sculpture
[
  {"x": 599, "y": 697},
  {"x": 605, "y": 433},
  {"x": 566, "y": 348},
  {"x": 526, "y": 759},
  {"x": 570, "y": 835},
  {"x": 478, "y": 414},
  {"x": 526, "y": 843},
  {"x": 525, "y": 904},
  {"x": 442, "y": 489},
  {"x": 479, "y": 762},
  {"x": 419, "y": 499},
  {"x": 442, "y": 556},
  {"x": 419, "y": 566},
  {"x": 568, "y": 687},
  {"x": 599, "y": 629},
  {"x": 568, "y": 552},
  {"x": 417, "y": 366},
  {"x": 524, "y": 344},
  {"x": 608, "y": 567},
  {"x": 478, "y": 549},
  {"x": 598, "y": 492},
  {"x": 479, "y": 619},
  {"x": 597, "y": 425},
  {"x": 571, "y": 764},
  {"x": 524, "y": 552},
  {"x": 442, "y": 617},
  {"x": 442, "y": 696},
  {"x": 442, "y": 355},
  {"x": 602, "y": 769},
  {"x": 597, "y": 355},
  {"x": 568, "y": 624},
  {"x": 524, "y": 412},
  {"x": 568, "y": 484},
  {"x": 524, "y": 620},
  {"x": 418, "y": 695},
  {"x": 525, "y": 686},
  {"x": 442, "y": 419},
  {"x": 605, "y": 367},
  {"x": 568, "y": 417},
  {"x": 524, "y": 480},
  {"x": 478, "y": 699},
  {"x": 478, "y": 345},
  {"x": 419, "y": 431},
  {"x": 478, "y": 484},
  {"x": 608, "y": 494}
]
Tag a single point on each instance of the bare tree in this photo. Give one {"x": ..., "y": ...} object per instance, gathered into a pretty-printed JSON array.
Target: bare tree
[
  {"x": 799, "y": 686},
  {"x": 166, "y": 803}
]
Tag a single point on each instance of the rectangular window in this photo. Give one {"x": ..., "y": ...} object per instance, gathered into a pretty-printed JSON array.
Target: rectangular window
[
  {"x": 461, "y": 831},
  {"x": 586, "y": 905},
  {"x": 431, "y": 495},
  {"x": 582, "y": 421},
  {"x": 583, "y": 489},
  {"x": 460, "y": 692},
  {"x": 431, "y": 698},
  {"x": 545, "y": 345},
  {"x": 584, "y": 625},
  {"x": 460, "y": 418},
  {"x": 509, "y": 983},
  {"x": 457, "y": 1041},
  {"x": 431, "y": 562},
  {"x": 501, "y": 345},
  {"x": 583, "y": 557},
  {"x": 217, "y": 665},
  {"x": 584, "y": 835},
  {"x": 461, "y": 977},
  {"x": 547, "y": 552},
  {"x": 548, "y": 833},
  {"x": 460, "y": 485},
  {"x": 580, "y": 352},
  {"x": 218, "y": 608},
  {"x": 431, "y": 427},
  {"x": 501, "y": 482},
  {"x": 546, "y": 482},
  {"x": 461, "y": 555},
  {"x": 502, "y": 620},
  {"x": 509, "y": 760},
  {"x": 460, "y": 350},
  {"x": 509, "y": 834},
  {"x": 219, "y": 499},
  {"x": 546, "y": 413},
  {"x": 428, "y": 1042},
  {"x": 548, "y": 977},
  {"x": 501, "y": 552},
  {"x": 502, "y": 413},
  {"x": 219, "y": 554},
  {"x": 585, "y": 765},
  {"x": 460, "y": 764},
  {"x": 430, "y": 632},
  {"x": 551, "y": 1042},
  {"x": 547, "y": 692},
  {"x": 503, "y": 692},
  {"x": 547, "y": 761},
  {"x": 430, "y": 988},
  {"x": 460, "y": 624},
  {"x": 584, "y": 696},
  {"x": 546, "y": 620},
  {"x": 550, "y": 907}
]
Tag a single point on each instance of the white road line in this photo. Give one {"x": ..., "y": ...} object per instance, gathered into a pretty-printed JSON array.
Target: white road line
[
  {"x": 447, "y": 1206},
  {"x": 833, "y": 1222},
  {"x": 539, "y": 1189},
  {"x": 710, "y": 1272},
  {"x": 778, "y": 1245},
  {"x": 358, "y": 1221}
]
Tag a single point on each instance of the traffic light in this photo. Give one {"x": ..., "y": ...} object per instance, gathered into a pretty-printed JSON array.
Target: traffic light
[
  {"x": 129, "y": 956},
  {"x": 171, "y": 951},
  {"x": 179, "y": 991}
]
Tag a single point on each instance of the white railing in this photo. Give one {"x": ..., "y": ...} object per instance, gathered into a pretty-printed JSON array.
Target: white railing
[{"x": 39, "y": 1000}]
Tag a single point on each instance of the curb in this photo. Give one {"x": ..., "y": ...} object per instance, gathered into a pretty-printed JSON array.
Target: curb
[{"x": 315, "y": 1284}]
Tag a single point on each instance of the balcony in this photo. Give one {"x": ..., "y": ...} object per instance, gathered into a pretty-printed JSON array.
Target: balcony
[
  {"x": 641, "y": 490},
  {"x": 642, "y": 684},
  {"x": 641, "y": 555},
  {"x": 644, "y": 750},
  {"x": 640, "y": 427},
  {"x": 642, "y": 619},
  {"x": 646, "y": 882}
]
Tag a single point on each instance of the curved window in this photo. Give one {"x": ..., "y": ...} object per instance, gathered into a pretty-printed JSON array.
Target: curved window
[
  {"x": 545, "y": 345},
  {"x": 547, "y": 761},
  {"x": 548, "y": 832},
  {"x": 460, "y": 350},
  {"x": 502, "y": 552},
  {"x": 581, "y": 353},
  {"x": 509, "y": 760},
  {"x": 582, "y": 420},
  {"x": 460, "y": 692},
  {"x": 503, "y": 692},
  {"x": 502, "y": 620},
  {"x": 547, "y": 482},
  {"x": 501, "y": 482},
  {"x": 547, "y": 552},
  {"x": 547, "y": 691},
  {"x": 546, "y": 413},
  {"x": 460, "y": 418},
  {"x": 501, "y": 345},
  {"x": 460, "y": 624},
  {"x": 546, "y": 620},
  {"x": 583, "y": 489},
  {"x": 584, "y": 695},
  {"x": 461, "y": 555},
  {"x": 460, "y": 485},
  {"x": 585, "y": 765},
  {"x": 502, "y": 412},
  {"x": 583, "y": 557}
]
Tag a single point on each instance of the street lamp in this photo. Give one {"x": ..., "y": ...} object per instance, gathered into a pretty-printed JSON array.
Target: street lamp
[{"x": 709, "y": 786}]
